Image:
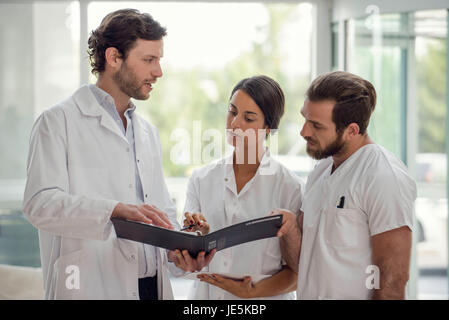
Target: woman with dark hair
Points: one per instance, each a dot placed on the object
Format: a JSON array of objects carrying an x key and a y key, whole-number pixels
[{"x": 246, "y": 185}]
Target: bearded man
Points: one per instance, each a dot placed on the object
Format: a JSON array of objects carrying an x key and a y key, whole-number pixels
[
  {"x": 352, "y": 238},
  {"x": 92, "y": 158}
]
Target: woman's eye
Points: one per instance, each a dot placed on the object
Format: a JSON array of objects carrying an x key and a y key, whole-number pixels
[
  {"x": 232, "y": 112},
  {"x": 249, "y": 120}
]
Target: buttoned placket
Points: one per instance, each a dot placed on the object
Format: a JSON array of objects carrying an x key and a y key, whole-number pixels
[
  {"x": 131, "y": 138},
  {"x": 129, "y": 134},
  {"x": 108, "y": 103},
  {"x": 129, "y": 150},
  {"x": 231, "y": 211}
]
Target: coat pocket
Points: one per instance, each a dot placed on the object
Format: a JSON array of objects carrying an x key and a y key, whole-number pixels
[
  {"x": 345, "y": 227},
  {"x": 67, "y": 273}
]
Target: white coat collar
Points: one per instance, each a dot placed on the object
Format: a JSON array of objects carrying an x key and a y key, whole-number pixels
[
  {"x": 89, "y": 106},
  {"x": 229, "y": 171},
  {"x": 87, "y": 103}
]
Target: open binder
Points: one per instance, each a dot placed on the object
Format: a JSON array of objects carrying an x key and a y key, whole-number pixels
[{"x": 251, "y": 230}]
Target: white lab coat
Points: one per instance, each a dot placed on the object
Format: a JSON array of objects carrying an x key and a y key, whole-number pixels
[
  {"x": 79, "y": 167},
  {"x": 212, "y": 191}
]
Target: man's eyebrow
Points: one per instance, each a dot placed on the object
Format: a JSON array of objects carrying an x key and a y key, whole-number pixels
[
  {"x": 312, "y": 121},
  {"x": 315, "y": 122},
  {"x": 150, "y": 56}
]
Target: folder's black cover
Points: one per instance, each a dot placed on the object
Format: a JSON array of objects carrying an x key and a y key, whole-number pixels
[{"x": 243, "y": 232}]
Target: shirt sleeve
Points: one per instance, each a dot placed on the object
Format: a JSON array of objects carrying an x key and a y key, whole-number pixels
[
  {"x": 291, "y": 193},
  {"x": 295, "y": 198},
  {"x": 192, "y": 203},
  {"x": 389, "y": 199},
  {"x": 47, "y": 203}
]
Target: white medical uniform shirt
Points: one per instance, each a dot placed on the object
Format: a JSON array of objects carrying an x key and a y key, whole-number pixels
[
  {"x": 212, "y": 191},
  {"x": 336, "y": 243}
]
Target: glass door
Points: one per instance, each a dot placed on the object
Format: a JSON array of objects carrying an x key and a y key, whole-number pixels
[{"x": 404, "y": 56}]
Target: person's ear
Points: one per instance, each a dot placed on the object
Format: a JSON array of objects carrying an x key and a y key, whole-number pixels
[
  {"x": 352, "y": 130},
  {"x": 113, "y": 58},
  {"x": 267, "y": 131}
]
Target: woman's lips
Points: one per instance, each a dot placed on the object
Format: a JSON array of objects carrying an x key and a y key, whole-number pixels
[{"x": 232, "y": 134}]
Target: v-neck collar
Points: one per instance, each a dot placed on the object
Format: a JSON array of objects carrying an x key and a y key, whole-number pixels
[
  {"x": 347, "y": 164},
  {"x": 229, "y": 178}
]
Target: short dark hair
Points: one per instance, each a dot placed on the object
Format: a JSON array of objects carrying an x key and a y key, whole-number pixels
[
  {"x": 268, "y": 96},
  {"x": 120, "y": 29},
  {"x": 355, "y": 98}
]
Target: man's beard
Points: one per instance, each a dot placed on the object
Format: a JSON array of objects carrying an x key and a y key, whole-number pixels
[
  {"x": 332, "y": 149},
  {"x": 128, "y": 83}
]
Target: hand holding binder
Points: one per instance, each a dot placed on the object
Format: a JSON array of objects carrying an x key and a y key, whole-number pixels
[
  {"x": 252, "y": 230},
  {"x": 196, "y": 222}
]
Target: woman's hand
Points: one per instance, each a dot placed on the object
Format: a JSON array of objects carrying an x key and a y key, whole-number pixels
[
  {"x": 240, "y": 288},
  {"x": 184, "y": 261},
  {"x": 198, "y": 219}
]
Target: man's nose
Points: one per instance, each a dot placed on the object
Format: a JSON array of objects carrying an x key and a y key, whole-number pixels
[
  {"x": 157, "y": 71},
  {"x": 304, "y": 130}
]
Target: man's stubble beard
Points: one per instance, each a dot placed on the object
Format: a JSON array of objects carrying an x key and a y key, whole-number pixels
[
  {"x": 128, "y": 83},
  {"x": 335, "y": 147}
]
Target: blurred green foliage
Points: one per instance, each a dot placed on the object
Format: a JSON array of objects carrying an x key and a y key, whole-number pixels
[
  {"x": 182, "y": 97},
  {"x": 431, "y": 84},
  {"x": 383, "y": 66}
]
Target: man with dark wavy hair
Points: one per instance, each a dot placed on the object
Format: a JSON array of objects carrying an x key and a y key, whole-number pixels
[
  {"x": 353, "y": 236},
  {"x": 93, "y": 158}
]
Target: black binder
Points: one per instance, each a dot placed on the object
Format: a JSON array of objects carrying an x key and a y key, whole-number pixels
[{"x": 251, "y": 230}]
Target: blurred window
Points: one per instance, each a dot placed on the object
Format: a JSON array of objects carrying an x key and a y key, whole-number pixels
[
  {"x": 209, "y": 48},
  {"x": 404, "y": 56},
  {"x": 39, "y": 67}
]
